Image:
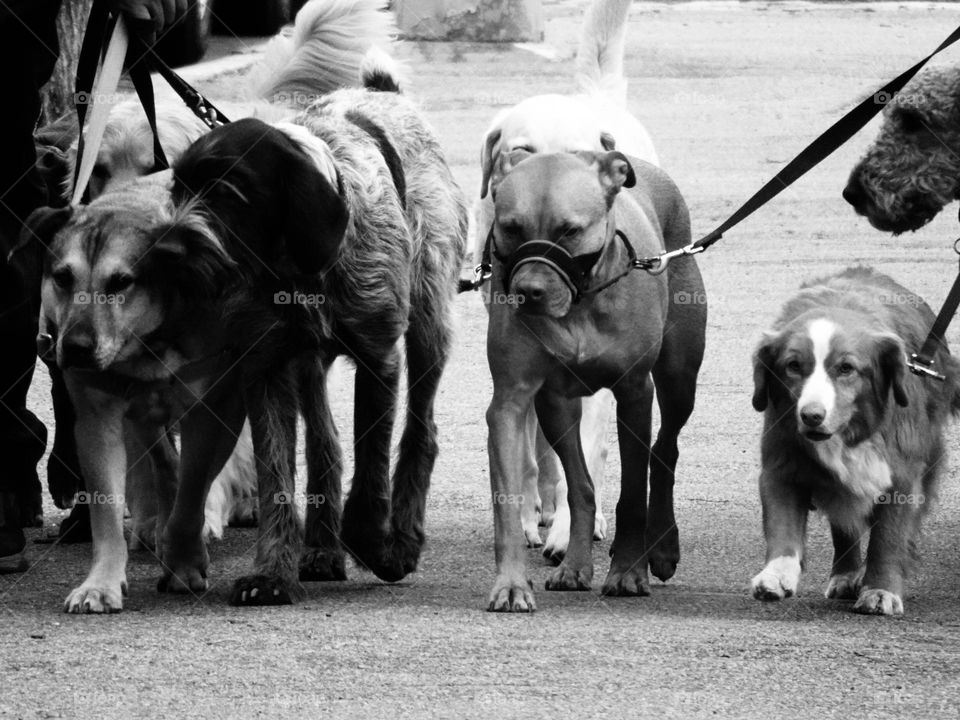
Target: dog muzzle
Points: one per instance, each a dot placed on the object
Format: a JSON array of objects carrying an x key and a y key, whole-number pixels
[{"x": 573, "y": 270}]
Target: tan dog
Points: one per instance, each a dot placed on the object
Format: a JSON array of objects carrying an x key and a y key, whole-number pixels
[
  {"x": 595, "y": 119},
  {"x": 563, "y": 231}
]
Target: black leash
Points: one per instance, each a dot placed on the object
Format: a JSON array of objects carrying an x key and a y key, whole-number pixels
[
  {"x": 921, "y": 363},
  {"x": 141, "y": 59}
]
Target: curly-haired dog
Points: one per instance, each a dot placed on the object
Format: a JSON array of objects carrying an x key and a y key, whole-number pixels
[
  {"x": 563, "y": 240},
  {"x": 597, "y": 120},
  {"x": 912, "y": 169},
  {"x": 286, "y": 246},
  {"x": 848, "y": 430}
]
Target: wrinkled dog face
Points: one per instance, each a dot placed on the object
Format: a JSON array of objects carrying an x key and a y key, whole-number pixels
[
  {"x": 835, "y": 379},
  {"x": 562, "y": 198},
  {"x": 912, "y": 169},
  {"x": 112, "y": 270}
]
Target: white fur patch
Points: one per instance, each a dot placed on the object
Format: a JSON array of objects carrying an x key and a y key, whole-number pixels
[
  {"x": 818, "y": 388},
  {"x": 863, "y": 470},
  {"x": 315, "y": 148},
  {"x": 779, "y": 579}
]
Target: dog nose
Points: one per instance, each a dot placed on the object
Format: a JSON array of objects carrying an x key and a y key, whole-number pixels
[
  {"x": 854, "y": 192},
  {"x": 77, "y": 352},
  {"x": 813, "y": 415},
  {"x": 531, "y": 291}
]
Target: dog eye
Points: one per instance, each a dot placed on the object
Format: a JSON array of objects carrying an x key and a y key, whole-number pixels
[
  {"x": 845, "y": 368},
  {"x": 567, "y": 230},
  {"x": 911, "y": 121},
  {"x": 99, "y": 171},
  {"x": 119, "y": 282},
  {"x": 794, "y": 367},
  {"x": 62, "y": 278}
]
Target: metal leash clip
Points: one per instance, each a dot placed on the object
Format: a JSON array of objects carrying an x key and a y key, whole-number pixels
[
  {"x": 918, "y": 367},
  {"x": 656, "y": 266}
]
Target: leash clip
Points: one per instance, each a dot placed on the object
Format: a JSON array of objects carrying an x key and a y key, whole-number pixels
[
  {"x": 481, "y": 273},
  {"x": 924, "y": 369},
  {"x": 657, "y": 265}
]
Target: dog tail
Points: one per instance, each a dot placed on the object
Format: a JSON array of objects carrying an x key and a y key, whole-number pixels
[
  {"x": 325, "y": 51},
  {"x": 601, "y": 50},
  {"x": 379, "y": 71}
]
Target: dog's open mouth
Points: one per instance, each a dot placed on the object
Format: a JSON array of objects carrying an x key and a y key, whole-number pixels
[{"x": 817, "y": 435}]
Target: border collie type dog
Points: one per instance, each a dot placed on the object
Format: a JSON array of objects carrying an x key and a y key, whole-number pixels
[{"x": 850, "y": 431}]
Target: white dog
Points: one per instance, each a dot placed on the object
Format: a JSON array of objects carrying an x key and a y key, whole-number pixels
[
  {"x": 330, "y": 48},
  {"x": 594, "y": 119}
]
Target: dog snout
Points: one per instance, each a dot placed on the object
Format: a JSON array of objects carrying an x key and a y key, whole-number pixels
[
  {"x": 77, "y": 351},
  {"x": 813, "y": 415},
  {"x": 531, "y": 290},
  {"x": 854, "y": 193}
]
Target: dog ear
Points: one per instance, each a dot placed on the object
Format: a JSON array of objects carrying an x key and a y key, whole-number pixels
[
  {"x": 25, "y": 260},
  {"x": 764, "y": 360},
  {"x": 487, "y": 158},
  {"x": 614, "y": 170},
  {"x": 890, "y": 370},
  {"x": 607, "y": 141},
  {"x": 188, "y": 257},
  {"x": 316, "y": 216}
]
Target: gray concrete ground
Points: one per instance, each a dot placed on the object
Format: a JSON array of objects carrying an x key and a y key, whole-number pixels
[{"x": 730, "y": 93}]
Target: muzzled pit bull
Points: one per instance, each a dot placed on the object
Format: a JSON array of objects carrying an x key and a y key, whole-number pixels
[{"x": 563, "y": 231}]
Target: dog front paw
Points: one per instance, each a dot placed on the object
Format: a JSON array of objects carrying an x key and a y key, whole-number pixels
[
  {"x": 663, "y": 554},
  {"x": 252, "y": 590},
  {"x": 845, "y": 586},
  {"x": 184, "y": 569},
  {"x": 631, "y": 582},
  {"x": 558, "y": 537},
  {"x": 779, "y": 579},
  {"x": 322, "y": 565},
  {"x": 600, "y": 527},
  {"x": 569, "y": 578},
  {"x": 875, "y": 601},
  {"x": 513, "y": 595},
  {"x": 96, "y": 596}
]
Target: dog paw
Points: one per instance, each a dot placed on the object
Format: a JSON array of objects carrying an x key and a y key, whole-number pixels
[
  {"x": 512, "y": 595},
  {"x": 96, "y": 597},
  {"x": 663, "y": 554},
  {"x": 183, "y": 579},
  {"x": 568, "y": 578},
  {"x": 558, "y": 538},
  {"x": 874, "y": 601},
  {"x": 252, "y": 590},
  {"x": 845, "y": 586},
  {"x": 631, "y": 582},
  {"x": 532, "y": 535},
  {"x": 321, "y": 565},
  {"x": 778, "y": 579},
  {"x": 401, "y": 555}
]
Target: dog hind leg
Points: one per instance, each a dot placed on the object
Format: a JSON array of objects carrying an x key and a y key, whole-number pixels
[
  {"x": 322, "y": 557},
  {"x": 846, "y": 574}
]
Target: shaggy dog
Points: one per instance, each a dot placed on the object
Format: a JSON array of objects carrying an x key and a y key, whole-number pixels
[
  {"x": 912, "y": 169},
  {"x": 337, "y": 234},
  {"x": 849, "y": 431},
  {"x": 594, "y": 120}
]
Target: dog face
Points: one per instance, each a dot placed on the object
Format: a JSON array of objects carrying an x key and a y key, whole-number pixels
[
  {"x": 911, "y": 170},
  {"x": 111, "y": 270},
  {"x": 835, "y": 378},
  {"x": 523, "y": 127},
  {"x": 268, "y": 196},
  {"x": 561, "y": 198}
]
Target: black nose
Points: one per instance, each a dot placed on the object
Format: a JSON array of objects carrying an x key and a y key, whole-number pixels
[
  {"x": 531, "y": 291},
  {"x": 813, "y": 415},
  {"x": 77, "y": 352},
  {"x": 854, "y": 192}
]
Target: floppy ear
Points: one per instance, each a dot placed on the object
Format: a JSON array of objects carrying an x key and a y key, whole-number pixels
[
  {"x": 188, "y": 257},
  {"x": 487, "y": 157},
  {"x": 764, "y": 359},
  {"x": 607, "y": 141},
  {"x": 26, "y": 258},
  {"x": 891, "y": 370},
  {"x": 614, "y": 170},
  {"x": 315, "y": 218}
]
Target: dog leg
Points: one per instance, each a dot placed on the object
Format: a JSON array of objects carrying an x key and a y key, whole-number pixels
[
  {"x": 322, "y": 557},
  {"x": 558, "y": 537},
  {"x": 512, "y": 591},
  {"x": 272, "y": 407},
  {"x": 103, "y": 459},
  {"x": 628, "y": 564},
  {"x": 208, "y": 434},
  {"x": 785, "y": 509},
  {"x": 366, "y": 514},
  {"x": 888, "y": 556},
  {"x": 532, "y": 475},
  {"x": 64, "y": 477},
  {"x": 560, "y": 420},
  {"x": 846, "y": 575},
  {"x": 141, "y": 493}
]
